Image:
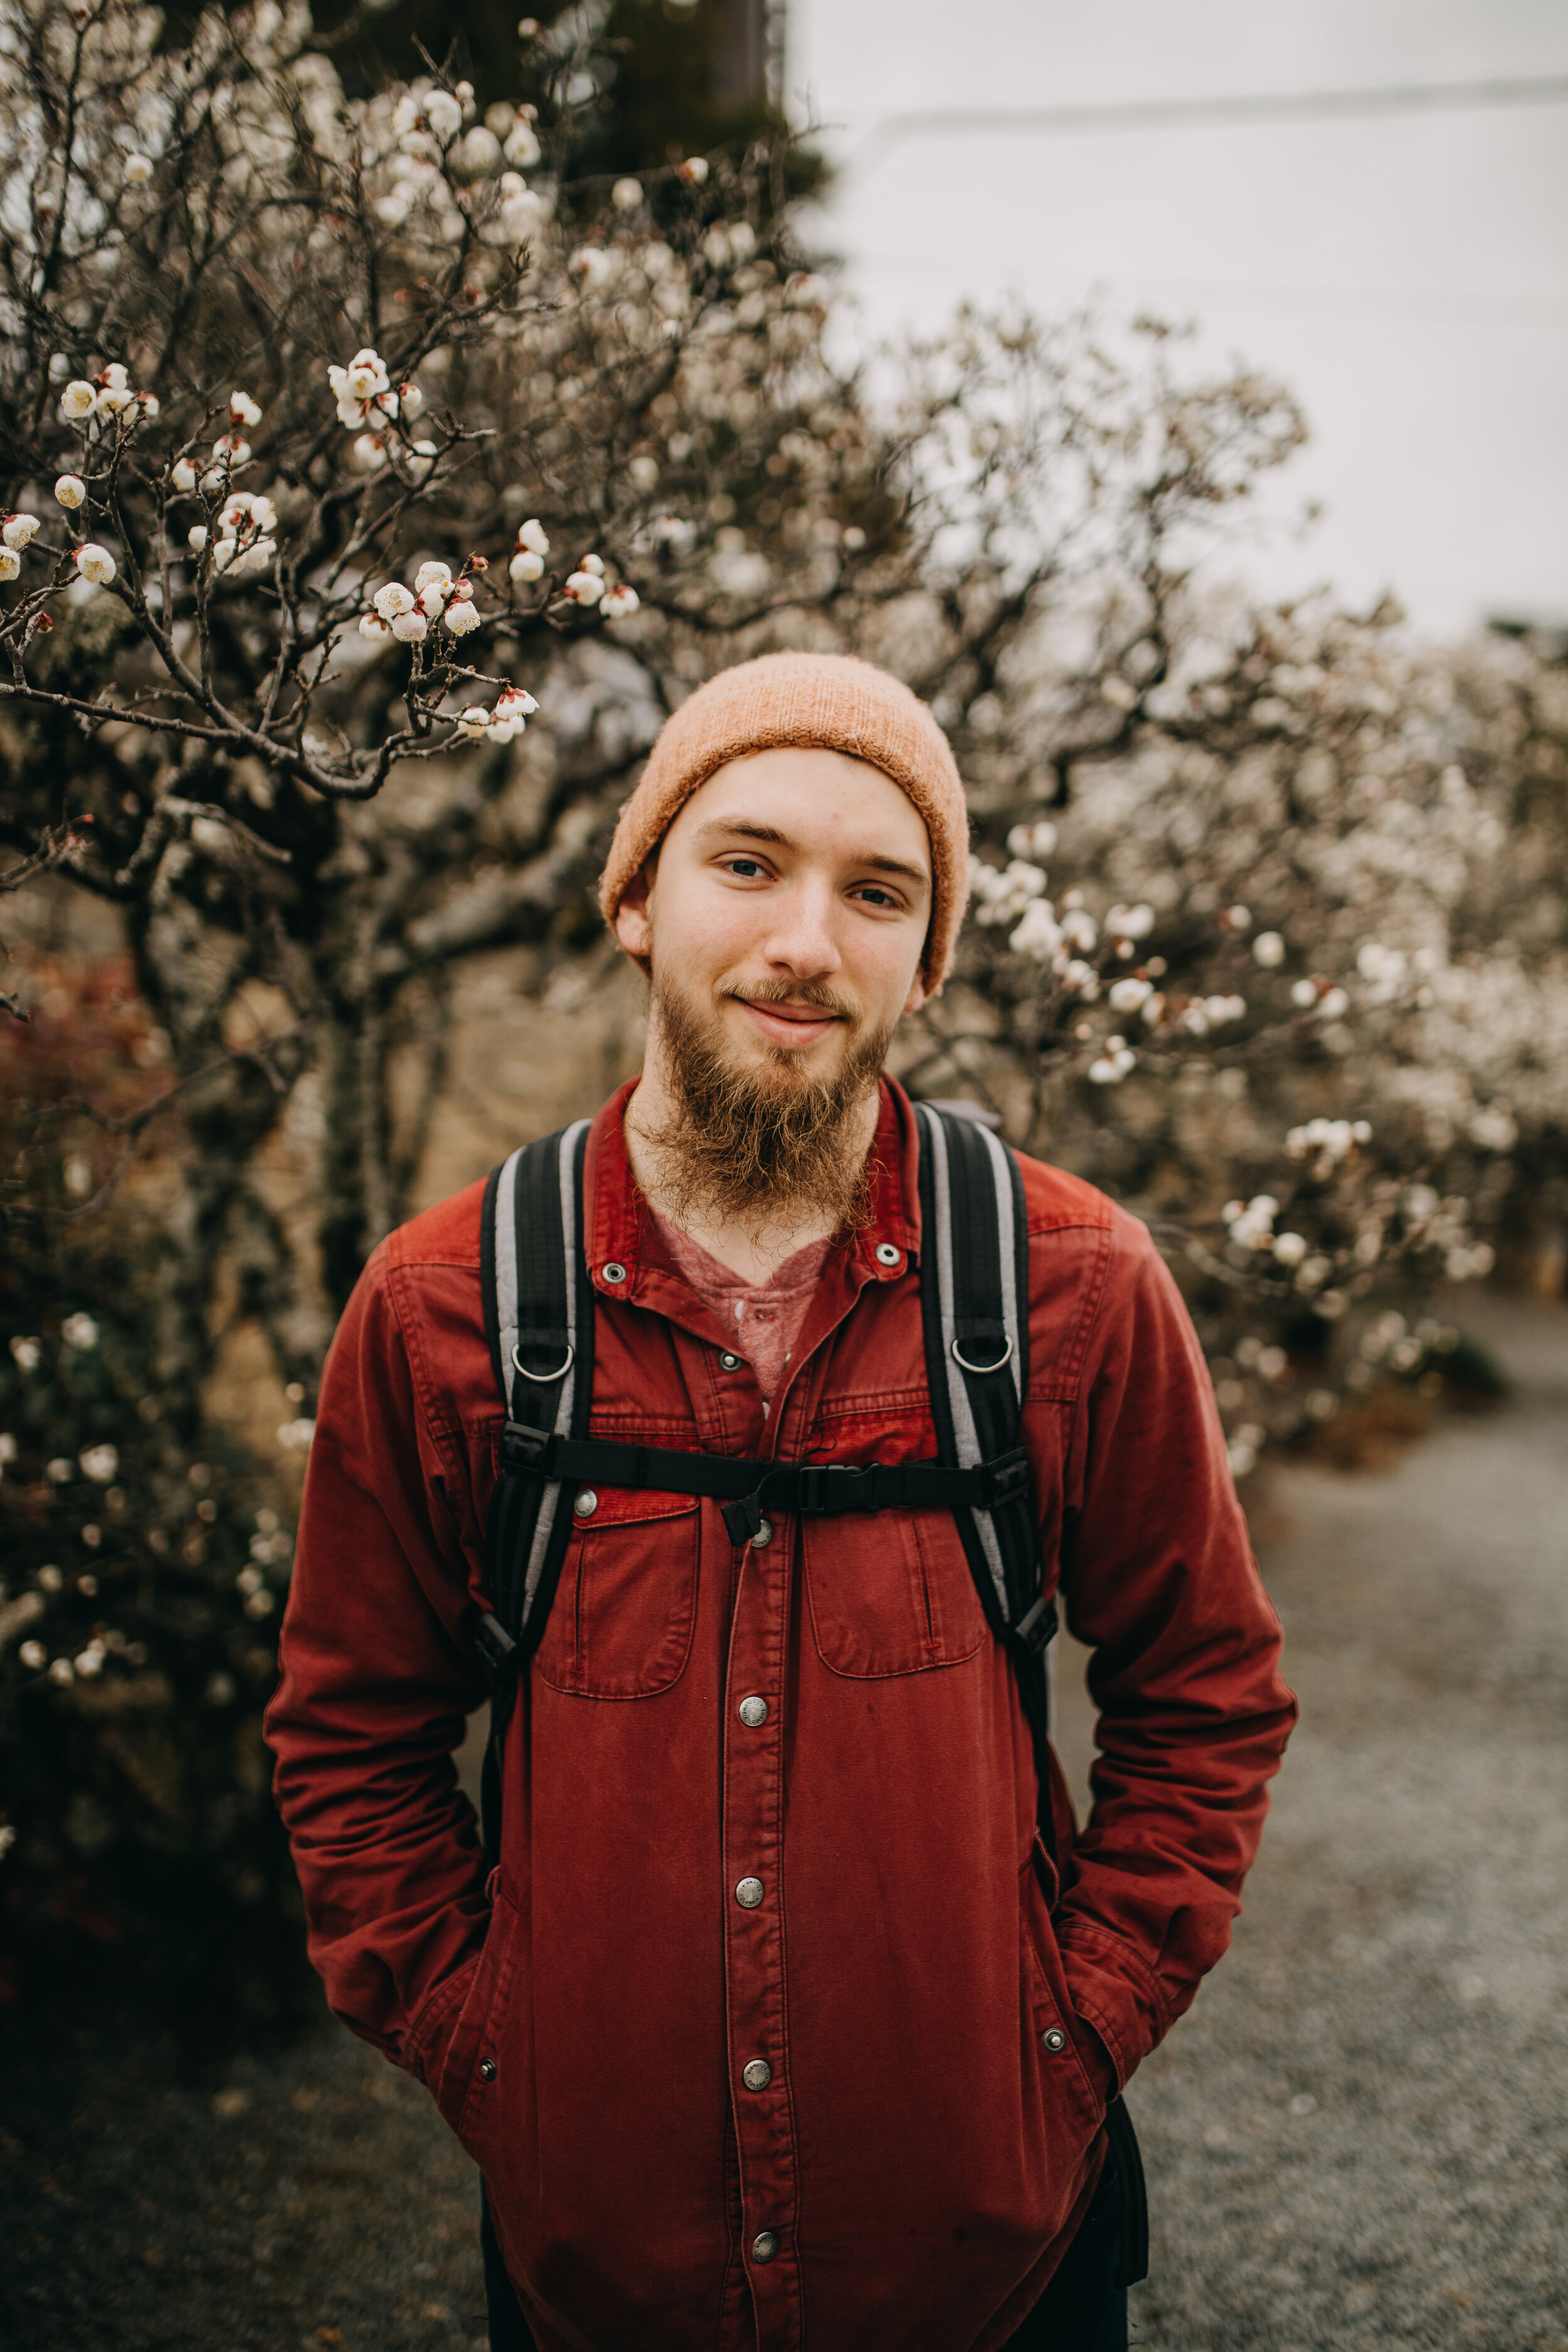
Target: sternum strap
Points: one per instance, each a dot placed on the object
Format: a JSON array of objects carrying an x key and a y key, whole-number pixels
[{"x": 748, "y": 1489}]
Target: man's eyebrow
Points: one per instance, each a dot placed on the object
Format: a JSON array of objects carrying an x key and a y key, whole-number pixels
[{"x": 747, "y": 829}]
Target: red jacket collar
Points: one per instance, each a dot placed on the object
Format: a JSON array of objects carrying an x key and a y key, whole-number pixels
[{"x": 619, "y": 1234}]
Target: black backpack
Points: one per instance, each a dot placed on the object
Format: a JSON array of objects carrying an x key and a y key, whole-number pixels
[{"x": 539, "y": 1319}]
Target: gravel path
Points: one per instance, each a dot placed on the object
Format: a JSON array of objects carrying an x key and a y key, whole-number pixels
[{"x": 1359, "y": 2138}]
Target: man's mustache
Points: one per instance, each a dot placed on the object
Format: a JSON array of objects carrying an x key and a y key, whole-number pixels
[{"x": 785, "y": 992}]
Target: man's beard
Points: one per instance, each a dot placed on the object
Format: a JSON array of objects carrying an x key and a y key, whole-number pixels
[{"x": 766, "y": 1144}]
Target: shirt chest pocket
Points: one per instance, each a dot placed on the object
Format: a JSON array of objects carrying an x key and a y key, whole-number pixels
[
  {"x": 621, "y": 1623},
  {"x": 892, "y": 1594}
]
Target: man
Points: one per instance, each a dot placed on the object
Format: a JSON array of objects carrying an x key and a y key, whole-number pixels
[{"x": 776, "y": 2025}]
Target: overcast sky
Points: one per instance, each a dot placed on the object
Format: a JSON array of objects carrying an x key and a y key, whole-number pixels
[{"x": 1407, "y": 275}]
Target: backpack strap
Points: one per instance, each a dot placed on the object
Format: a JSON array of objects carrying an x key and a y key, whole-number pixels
[
  {"x": 974, "y": 1305},
  {"x": 539, "y": 1320}
]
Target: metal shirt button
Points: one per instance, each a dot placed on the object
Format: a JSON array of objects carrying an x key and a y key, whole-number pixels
[
  {"x": 888, "y": 1256},
  {"x": 586, "y": 1504},
  {"x": 752, "y": 1712},
  {"x": 487, "y": 2070},
  {"x": 756, "y": 2074},
  {"x": 749, "y": 1894},
  {"x": 614, "y": 1272},
  {"x": 764, "y": 2246},
  {"x": 1054, "y": 2040},
  {"x": 764, "y": 1535},
  {"x": 729, "y": 1362}
]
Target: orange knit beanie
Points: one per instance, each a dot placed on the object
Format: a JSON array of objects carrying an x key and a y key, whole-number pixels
[{"x": 827, "y": 702}]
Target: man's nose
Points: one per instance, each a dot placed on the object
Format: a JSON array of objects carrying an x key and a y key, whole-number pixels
[{"x": 803, "y": 937}]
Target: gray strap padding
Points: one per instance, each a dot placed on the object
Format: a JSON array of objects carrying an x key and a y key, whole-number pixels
[
  {"x": 934, "y": 1139},
  {"x": 507, "y": 1312}
]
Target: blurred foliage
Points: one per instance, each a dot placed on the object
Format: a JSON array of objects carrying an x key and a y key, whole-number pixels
[{"x": 142, "y": 1581}]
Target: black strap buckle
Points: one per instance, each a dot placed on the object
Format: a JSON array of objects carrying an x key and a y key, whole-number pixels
[
  {"x": 525, "y": 1451},
  {"x": 1009, "y": 1479},
  {"x": 827, "y": 1488},
  {"x": 494, "y": 1644},
  {"x": 1035, "y": 1627}
]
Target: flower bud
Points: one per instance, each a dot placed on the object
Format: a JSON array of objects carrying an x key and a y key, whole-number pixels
[
  {"x": 71, "y": 490},
  {"x": 95, "y": 563}
]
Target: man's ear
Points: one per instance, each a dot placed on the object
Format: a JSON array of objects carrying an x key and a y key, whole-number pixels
[
  {"x": 633, "y": 929},
  {"x": 915, "y": 999}
]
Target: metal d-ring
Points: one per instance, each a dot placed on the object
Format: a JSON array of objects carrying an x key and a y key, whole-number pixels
[
  {"x": 547, "y": 1380},
  {"x": 960, "y": 1357}
]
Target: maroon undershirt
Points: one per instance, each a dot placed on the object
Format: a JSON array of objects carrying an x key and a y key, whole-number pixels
[{"x": 765, "y": 1319}]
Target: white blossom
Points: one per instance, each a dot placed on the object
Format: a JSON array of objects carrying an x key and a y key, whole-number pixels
[
  {"x": 474, "y": 722},
  {"x": 27, "y": 1354},
  {"x": 18, "y": 530},
  {"x": 1128, "y": 995},
  {"x": 10, "y": 563},
  {"x": 1129, "y": 922},
  {"x": 525, "y": 566},
  {"x": 182, "y": 475},
  {"x": 627, "y": 196},
  {"x": 95, "y": 563},
  {"x": 1304, "y": 992},
  {"x": 231, "y": 449},
  {"x": 619, "y": 602},
  {"x": 33, "y": 1654},
  {"x": 1289, "y": 1248},
  {"x": 532, "y": 536},
  {"x": 1252, "y": 1225},
  {"x": 460, "y": 617},
  {"x": 513, "y": 703},
  {"x": 79, "y": 402},
  {"x": 1238, "y": 919},
  {"x": 1036, "y": 840},
  {"x": 522, "y": 145},
  {"x": 421, "y": 460},
  {"x": 410, "y": 628},
  {"x": 592, "y": 266},
  {"x": 444, "y": 115},
  {"x": 226, "y": 554},
  {"x": 393, "y": 600},
  {"x": 99, "y": 1463},
  {"x": 71, "y": 490},
  {"x": 584, "y": 587},
  {"x": 149, "y": 404},
  {"x": 371, "y": 625},
  {"x": 368, "y": 454},
  {"x": 242, "y": 410},
  {"x": 1036, "y": 933},
  {"x": 694, "y": 171},
  {"x": 1114, "y": 1062},
  {"x": 1269, "y": 949},
  {"x": 196, "y": 536}
]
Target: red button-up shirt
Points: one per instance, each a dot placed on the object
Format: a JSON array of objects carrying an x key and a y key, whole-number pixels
[{"x": 773, "y": 2026}]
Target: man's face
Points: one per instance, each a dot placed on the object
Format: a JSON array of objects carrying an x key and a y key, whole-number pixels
[{"x": 787, "y": 912}]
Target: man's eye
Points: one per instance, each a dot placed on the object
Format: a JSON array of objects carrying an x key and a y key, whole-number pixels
[
  {"x": 745, "y": 867},
  {"x": 873, "y": 894}
]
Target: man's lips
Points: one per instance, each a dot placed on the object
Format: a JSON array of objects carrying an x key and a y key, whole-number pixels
[{"x": 789, "y": 1024}]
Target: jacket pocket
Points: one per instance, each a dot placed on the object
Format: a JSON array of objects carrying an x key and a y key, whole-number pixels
[
  {"x": 456, "y": 2077},
  {"x": 891, "y": 1595},
  {"x": 624, "y": 1610},
  {"x": 1063, "y": 2044}
]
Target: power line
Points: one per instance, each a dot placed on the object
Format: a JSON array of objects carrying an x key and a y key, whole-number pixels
[{"x": 1182, "y": 113}]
